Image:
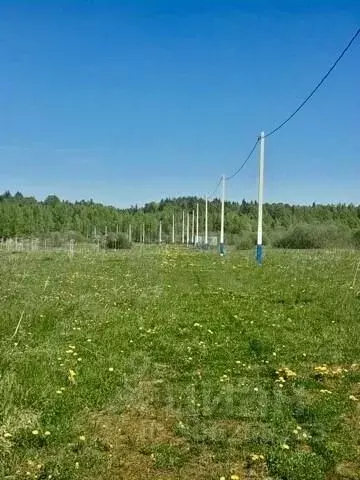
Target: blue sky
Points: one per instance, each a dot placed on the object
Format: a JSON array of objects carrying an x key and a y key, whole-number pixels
[{"x": 130, "y": 101}]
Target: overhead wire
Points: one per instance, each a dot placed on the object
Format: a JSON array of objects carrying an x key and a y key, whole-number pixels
[
  {"x": 282, "y": 124},
  {"x": 245, "y": 162}
]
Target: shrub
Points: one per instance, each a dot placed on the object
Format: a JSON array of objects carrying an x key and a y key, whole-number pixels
[
  {"x": 118, "y": 241},
  {"x": 246, "y": 242},
  {"x": 356, "y": 238},
  {"x": 314, "y": 236}
]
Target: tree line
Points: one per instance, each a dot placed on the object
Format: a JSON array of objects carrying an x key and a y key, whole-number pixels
[{"x": 22, "y": 216}]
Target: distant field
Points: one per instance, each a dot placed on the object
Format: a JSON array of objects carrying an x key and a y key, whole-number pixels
[{"x": 174, "y": 364}]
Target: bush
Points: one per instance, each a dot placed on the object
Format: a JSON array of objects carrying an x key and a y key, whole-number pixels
[
  {"x": 246, "y": 242},
  {"x": 356, "y": 238},
  {"x": 307, "y": 236},
  {"x": 118, "y": 241}
]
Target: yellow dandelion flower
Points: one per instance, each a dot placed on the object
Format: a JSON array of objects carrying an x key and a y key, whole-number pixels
[
  {"x": 82, "y": 438},
  {"x": 35, "y": 432},
  {"x": 111, "y": 369},
  {"x": 47, "y": 433}
]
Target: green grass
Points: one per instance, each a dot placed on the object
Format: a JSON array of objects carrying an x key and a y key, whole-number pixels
[{"x": 167, "y": 364}]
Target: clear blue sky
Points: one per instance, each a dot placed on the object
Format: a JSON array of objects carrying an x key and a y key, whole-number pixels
[{"x": 130, "y": 101}]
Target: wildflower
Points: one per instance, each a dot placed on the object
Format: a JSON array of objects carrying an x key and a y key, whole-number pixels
[
  {"x": 235, "y": 477},
  {"x": 7, "y": 435},
  {"x": 77, "y": 465},
  {"x": 59, "y": 392},
  {"x": 35, "y": 432},
  {"x": 285, "y": 446},
  {"x": 82, "y": 438},
  {"x": 256, "y": 389},
  {"x": 47, "y": 433},
  {"x": 79, "y": 359},
  {"x": 111, "y": 369},
  {"x": 72, "y": 376}
]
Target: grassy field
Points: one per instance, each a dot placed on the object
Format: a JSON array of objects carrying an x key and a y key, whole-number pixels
[{"x": 166, "y": 364}]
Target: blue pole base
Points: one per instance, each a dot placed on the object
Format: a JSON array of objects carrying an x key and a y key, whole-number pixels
[
  {"x": 222, "y": 249},
  {"x": 259, "y": 254}
]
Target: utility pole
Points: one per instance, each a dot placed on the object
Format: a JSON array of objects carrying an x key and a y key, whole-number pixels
[
  {"x": 222, "y": 245},
  {"x": 183, "y": 228},
  {"x": 160, "y": 232},
  {"x": 197, "y": 224},
  {"x": 206, "y": 223},
  {"x": 173, "y": 228},
  {"x": 193, "y": 227},
  {"x": 259, "y": 248},
  {"x": 129, "y": 232},
  {"x": 143, "y": 233},
  {"x": 188, "y": 228}
]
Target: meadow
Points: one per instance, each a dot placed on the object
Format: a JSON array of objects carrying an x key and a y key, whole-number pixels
[{"x": 168, "y": 363}]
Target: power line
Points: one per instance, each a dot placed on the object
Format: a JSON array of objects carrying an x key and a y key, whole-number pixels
[
  {"x": 317, "y": 86},
  {"x": 216, "y": 188},
  {"x": 244, "y": 163}
]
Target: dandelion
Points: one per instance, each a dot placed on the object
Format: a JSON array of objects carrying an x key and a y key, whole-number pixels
[
  {"x": 111, "y": 369},
  {"x": 35, "y": 432},
  {"x": 59, "y": 392},
  {"x": 77, "y": 465},
  {"x": 285, "y": 446},
  {"x": 256, "y": 389},
  {"x": 79, "y": 359},
  {"x": 235, "y": 477},
  {"x": 298, "y": 427},
  {"x": 82, "y": 438},
  {"x": 47, "y": 433}
]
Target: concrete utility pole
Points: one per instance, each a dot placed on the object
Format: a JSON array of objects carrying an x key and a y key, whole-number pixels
[
  {"x": 188, "y": 228},
  {"x": 206, "y": 223},
  {"x": 222, "y": 245},
  {"x": 183, "y": 227},
  {"x": 259, "y": 248},
  {"x": 193, "y": 227},
  {"x": 160, "y": 232},
  {"x": 173, "y": 228},
  {"x": 197, "y": 225}
]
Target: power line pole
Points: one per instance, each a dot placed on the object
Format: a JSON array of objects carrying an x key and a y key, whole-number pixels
[
  {"x": 160, "y": 232},
  {"x": 173, "y": 228},
  {"x": 197, "y": 224},
  {"x": 222, "y": 222},
  {"x": 188, "y": 228},
  {"x": 193, "y": 227},
  {"x": 143, "y": 232},
  {"x": 183, "y": 228},
  {"x": 259, "y": 253},
  {"x": 206, "y": 222}
]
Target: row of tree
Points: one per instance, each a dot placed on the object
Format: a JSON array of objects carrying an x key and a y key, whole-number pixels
[{"x": 25, "y": 216}]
